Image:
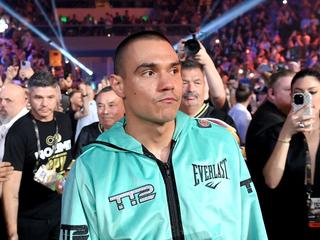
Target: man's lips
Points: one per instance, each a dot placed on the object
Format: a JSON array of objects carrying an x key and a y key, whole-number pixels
[
  {"x": 190, "y": 98},
  {"x": 168, "y": 100},
  {"x": 44, "y": 110}
]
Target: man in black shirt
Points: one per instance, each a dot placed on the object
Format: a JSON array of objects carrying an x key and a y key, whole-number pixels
[
  {"x": 262, "y": 136},
  {"x": 39, "y": 141}
]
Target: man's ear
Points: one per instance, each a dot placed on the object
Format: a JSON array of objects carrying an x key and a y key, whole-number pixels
[
  {"x": 270, "y": 93},
  {"x": 116, "y": 83}
]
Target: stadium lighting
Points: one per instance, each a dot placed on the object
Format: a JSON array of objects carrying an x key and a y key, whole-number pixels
[
  {"x": 44, "y": 14},
  {"x": 44, "y": 37},
  {"x": 3, "y": 25},
  {"x": 224, "y": 19}
]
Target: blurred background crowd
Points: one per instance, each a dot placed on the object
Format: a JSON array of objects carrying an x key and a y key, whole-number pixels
[
  {"x": 241, "y": 64},
  {"x": 274, "y": 35}
]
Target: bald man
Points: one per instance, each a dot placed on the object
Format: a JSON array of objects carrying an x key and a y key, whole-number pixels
[{"x": 13, "y": 101}]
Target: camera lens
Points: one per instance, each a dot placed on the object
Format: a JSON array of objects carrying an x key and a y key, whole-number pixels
[
  {"x": 298, "y": 99},
  {"x": 191, "y": 47}
]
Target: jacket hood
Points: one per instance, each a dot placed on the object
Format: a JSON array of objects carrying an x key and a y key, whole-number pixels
[{"x": 116, "y": 139}]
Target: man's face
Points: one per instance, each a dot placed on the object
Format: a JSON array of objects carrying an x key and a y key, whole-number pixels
[
  {"x": 43, "y": 101},
  {"x": 193, "y": 89},
  {"x": 281, "y": 94},
  {"x": 152, "y": 85},
  {"x": 12, "y": 100},
  {"x": 110, "y": 109}
]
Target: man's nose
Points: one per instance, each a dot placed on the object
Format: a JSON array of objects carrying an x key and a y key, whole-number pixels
[
  {"x": 106, "y": 110},
  {"x": 166, "y": 81},
  {"x": 190, "y": 87},
  {"x": 44, "y": 102},
  {"x": 2, "y": 102}
]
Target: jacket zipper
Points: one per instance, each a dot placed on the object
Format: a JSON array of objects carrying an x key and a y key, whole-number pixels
[{"x": 167, "y": 173}]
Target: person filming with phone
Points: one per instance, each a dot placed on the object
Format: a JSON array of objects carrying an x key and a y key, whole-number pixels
[{"x": 288, "y": 182}]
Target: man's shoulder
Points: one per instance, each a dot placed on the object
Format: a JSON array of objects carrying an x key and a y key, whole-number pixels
[
  {"x": 97, "y": 154},
  {"x": 22, "y": 122},
  {"x": 61, "y": 116},
  {"x": 267, "y": 108},
  {"x": 92, "y": 126},
  {"x": 267, "y": 121},
  {"x": 212, "y": 112},
  {"x": 21, "y": 128},
  {"x": 267, "y": 114},
  {"x": 91, "y": 130},
  {"x": 63, "y": 119},
  {"x": 212, "y": 128}
]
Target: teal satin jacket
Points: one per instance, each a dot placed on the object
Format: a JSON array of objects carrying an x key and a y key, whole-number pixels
[{"x": 117, "y": 189}]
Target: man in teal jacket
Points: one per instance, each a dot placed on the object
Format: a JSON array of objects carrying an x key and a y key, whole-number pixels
[{"x": 159, "y": 174}]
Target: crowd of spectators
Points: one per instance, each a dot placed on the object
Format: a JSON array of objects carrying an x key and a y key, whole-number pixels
[
  {"x": 245, "y": 52},
  {"x": 266, "y": 38},
  {"x": 273, "y": 34},
  {"x": 170, "y": 17}
]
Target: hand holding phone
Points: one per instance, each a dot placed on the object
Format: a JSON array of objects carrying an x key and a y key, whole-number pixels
[
  {"x": 25, "y": 70},
  {"x": 302, "y": 100}
]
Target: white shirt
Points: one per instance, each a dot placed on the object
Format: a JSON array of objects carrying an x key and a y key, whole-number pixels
[
  {"x": 4, "y": 128},
  {"x": 87, "y": 120},
  {"x": 241, "y": 117}
]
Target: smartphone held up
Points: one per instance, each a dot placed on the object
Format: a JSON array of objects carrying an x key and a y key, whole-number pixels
[
  {"x": 302, "y": 100},
  {"x": 25, "y": 65}
]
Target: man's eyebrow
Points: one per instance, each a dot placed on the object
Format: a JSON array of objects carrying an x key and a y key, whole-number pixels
[
  {"x": 192, "y": 80},
  {"x": 145, "y": 65},
  {"x": 152, "y": 65},
  {"x": 178, "y": 63}
]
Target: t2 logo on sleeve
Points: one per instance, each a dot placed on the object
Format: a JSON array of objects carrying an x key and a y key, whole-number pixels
[{"x": 136, "y": 196}]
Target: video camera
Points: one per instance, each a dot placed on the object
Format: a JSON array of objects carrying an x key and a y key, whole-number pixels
[{"x": 191, "y": 46}]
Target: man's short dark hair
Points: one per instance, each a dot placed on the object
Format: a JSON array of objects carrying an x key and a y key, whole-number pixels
[
  {"x": 42, "y": 79},
  {"x": 304, "y": 73},
  {"x": 243, "y": 92},
  {"x": 191, "y": 64},
  {"x": 119, "y": 54},
  {"x": 103, "y": 90},
  {"x": 73, "y": 92},
  {"x": 277, "y": 75}
]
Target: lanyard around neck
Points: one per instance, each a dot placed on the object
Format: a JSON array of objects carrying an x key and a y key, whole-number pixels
[{"x": 54, "y": 145}]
